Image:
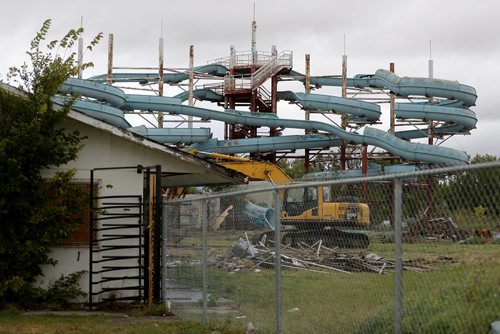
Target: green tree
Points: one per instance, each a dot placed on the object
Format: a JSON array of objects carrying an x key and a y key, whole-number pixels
[
  {"x": 35, "y": 212},
  {"x": 475, "y": 190}
]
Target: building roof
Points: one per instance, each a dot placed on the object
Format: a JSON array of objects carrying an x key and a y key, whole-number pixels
[
  {"x": 197, "y": 172},
  {"x": 200, "y": 172}
]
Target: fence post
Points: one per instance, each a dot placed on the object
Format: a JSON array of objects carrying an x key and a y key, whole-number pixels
[
  {"x": 277, "y": 239},
  {"x": 398, "y": 255},
  {"x": 204, "y": 222},
  {"x": 91, "y": 238},
  {"x": 164, "y": 249}
]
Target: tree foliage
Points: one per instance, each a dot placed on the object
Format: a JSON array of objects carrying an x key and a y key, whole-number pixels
[
  {"x": 475, "y": 190},
  {"x": 32, "y": 209}
]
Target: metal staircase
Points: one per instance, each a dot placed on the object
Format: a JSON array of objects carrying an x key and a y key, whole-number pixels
[{"x": 277, "y": 63}]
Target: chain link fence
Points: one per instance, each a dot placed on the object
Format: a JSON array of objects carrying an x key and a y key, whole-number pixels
[{"x": 416, "y": 252}]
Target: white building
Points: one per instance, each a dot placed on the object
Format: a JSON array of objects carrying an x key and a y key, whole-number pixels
[{"x": 107, "y": 146}]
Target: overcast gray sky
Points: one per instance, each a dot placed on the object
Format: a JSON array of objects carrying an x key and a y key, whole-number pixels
[{"x": 464, "y": 34}]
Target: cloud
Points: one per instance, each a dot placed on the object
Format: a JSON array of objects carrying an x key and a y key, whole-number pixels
[{"x": 377, "y": 33}]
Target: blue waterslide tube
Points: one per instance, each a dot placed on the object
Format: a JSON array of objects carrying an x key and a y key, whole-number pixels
[
  {"x": 100, "y": 111},
  {"x": 402, "y": 86},
  {"x": 267, "y": 144},
  {"x": 425, "y": 87},
  {"x": 371, "y": 136},
  {"x": 465, "y": 117},
  {"x": 170, "y": 78},
  {"x": 174, "y": 135},
  {"x": 369, "y": 111},
  {"x": 453, "y": 111}
]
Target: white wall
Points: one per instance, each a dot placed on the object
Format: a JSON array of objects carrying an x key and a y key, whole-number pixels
[{"x": 103, "y": 149}]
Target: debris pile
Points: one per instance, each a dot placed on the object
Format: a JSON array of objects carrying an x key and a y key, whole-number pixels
[
  {"x": 314, "y": 258},
  {"x": 442, "y": 228}
]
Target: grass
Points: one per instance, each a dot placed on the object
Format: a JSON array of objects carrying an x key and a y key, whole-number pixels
[
  {"x": 15, "y": 322},
  {"x": 461, "y": 294}
]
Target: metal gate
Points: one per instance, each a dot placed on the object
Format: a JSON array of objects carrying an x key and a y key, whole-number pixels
[{"x": 124, "y": 242}]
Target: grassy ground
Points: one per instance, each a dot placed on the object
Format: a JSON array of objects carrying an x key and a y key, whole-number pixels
[
  {"x": 460, "y": 295},
  {"x": 15, "y": 322}
]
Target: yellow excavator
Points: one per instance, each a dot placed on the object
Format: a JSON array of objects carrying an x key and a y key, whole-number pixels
[{"x": 308, "y": 213}]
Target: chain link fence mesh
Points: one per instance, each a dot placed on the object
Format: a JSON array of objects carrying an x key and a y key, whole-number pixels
[{"x": 338, "y": 267}]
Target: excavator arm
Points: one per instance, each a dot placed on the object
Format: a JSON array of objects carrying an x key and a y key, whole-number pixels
[{"x": 255, "y": 170}]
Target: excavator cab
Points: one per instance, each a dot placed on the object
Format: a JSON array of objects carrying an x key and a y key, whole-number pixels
[{"x": 299, "y": 200}]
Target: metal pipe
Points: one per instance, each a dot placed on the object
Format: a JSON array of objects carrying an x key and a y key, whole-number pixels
[
  {"x": 91, "y": 237},
  {"x": 164, "y": 249},
  {"x": 430, "y": 140},
  {"x": 392, "y": 120},
  {"x": 232, "y": 57},
  {"x": 109, "y": 79},
  {"x": 307, "y": 89},
  {"x": 254, "y": 38},
  {"x": 343, "y": 145},
  {"x": 205, "y": 260},
  {"x": 157, "y": 236},
  {"x": 398, "y": 255},
  {"x": 161, "y": 77},
  {"x": 191, "y": 83},
  {"x": 80, "y": 57},
  {"x": 277, "y": 242}
]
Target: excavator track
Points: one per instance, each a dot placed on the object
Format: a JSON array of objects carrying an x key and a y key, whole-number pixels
[{"x": 330, "y": 238}]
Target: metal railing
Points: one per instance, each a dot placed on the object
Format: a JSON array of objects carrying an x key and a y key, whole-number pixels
[
  {"x": 283, "y": 60},
  {"x": 244, "y": 58}
]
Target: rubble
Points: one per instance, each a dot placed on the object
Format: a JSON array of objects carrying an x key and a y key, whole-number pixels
[
  {"x": 314, "y": 258},
  {"x": 442, "y": 228}
]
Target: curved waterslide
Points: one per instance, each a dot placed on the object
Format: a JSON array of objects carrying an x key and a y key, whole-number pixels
[
  {"x": 371, "y": 136},
  {"x": 451, "y": 104},
  {"x": 169, "y": 78}
]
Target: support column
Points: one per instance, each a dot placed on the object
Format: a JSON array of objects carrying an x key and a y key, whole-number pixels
[
  {"x": 161, "y": 78},
  {"x": 364, "y": 171},
  {"x": 307, "y": 88},
  {"x": 109, "y": 79},
  {"x": 392, "y": 120},
  {"x": 157, "y": 229},
  {"x": 398, "y": 256},
  {"x": 343, "y": 143},
  {"x": 191, "y": 83},
  {"x": 277, "y": 260}
]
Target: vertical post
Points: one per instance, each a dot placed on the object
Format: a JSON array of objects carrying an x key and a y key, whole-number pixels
[
  {"x": 157, "y": 236},
  {"x": 80, "y": 57},
  {"x": 431, "y": 76},
  {"x": 398, "y": 255},
  {"x": 391, "y": 104},
  {"x": 274, "y": 84},
  {"x": 147, "y": 213},
  {"x": 80, "y": 52},
  {"x": 164, "y": 249},
  {"x": 161, "y": 77},
  {"x": 274, "y": 97},
  {"x": 109, "y": 80},
  {"x": 232, "y": 57},
  {"x": 343, "y": 144},
  {"x": 430, "y": 140},
  {"x": 277, "y": 265},
  {"x": 91, "y": 238},
  {"x": 205, "y": 260},
  {"x": 364, "y": 171},
  {"x": 254, "y": 38},
  {"x": 307, "y": 89},
  {"x": 191, "y": 83}
]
